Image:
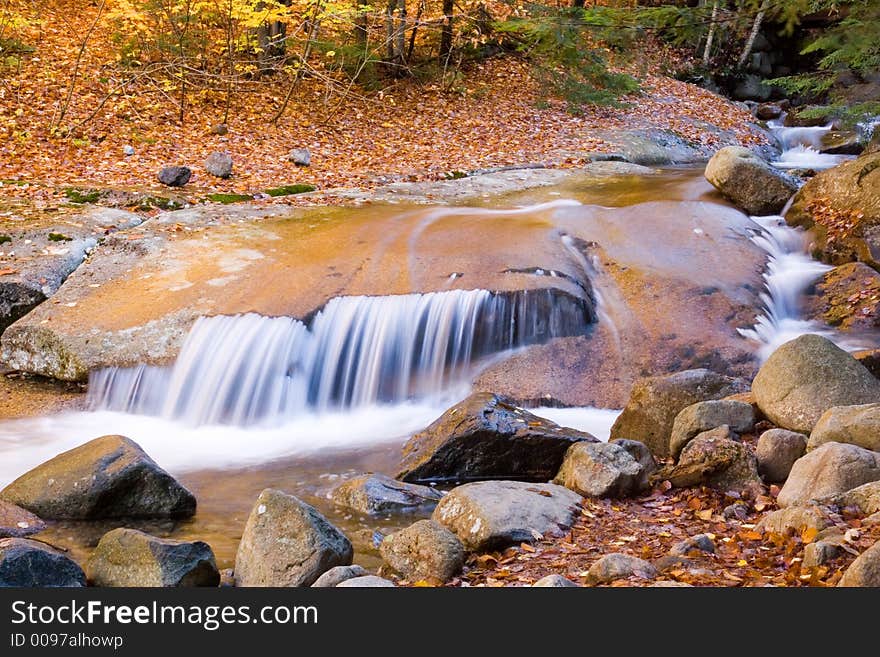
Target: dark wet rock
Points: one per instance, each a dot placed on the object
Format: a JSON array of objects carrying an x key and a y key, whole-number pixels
[
  {"x": 127, "y": 557},
  {"x": 838, "y": 142},
  {"x": 849, "y": 192},
  {"x": 616, "y": 566},
  {"x": 108, "y": 477},
  {"x": 425, "y": 550},
  {"x": 768, "y": 111},
  {"x": 487, "y": 437},
  {"x": 287, "y": 542},
  {"x": 700, "y": 543},
  {"x": 847, "y": 298},
  {"x": 870, "y": 358},
  {"x": 554, "y": 582},
  {"x": 865, "y": 570},
  {"x": 219, "y": 165},
  {"x": 28, "y": 563},
  {"x": 600, "y": 470},
  {"x": 776, "y": 451},
  {"x": 751, "y": 87},
  {"x": 794, "y": 519},
  {"x": 866, "y": 498},
  {"x": 654, "y": 403},
  {"x": 175, "y": 176},
  {"x": 855, "y": 425},
  {"x": 16, "y": 522},
  {"x": 377, "y": 494},
  {"x": 828, "y": 471},
  {"x": 805, "y": 377},
  {"x": 301, "y": 157},
  {"x": 795, "y": 118},
  {"x": 715, "y": 459},
  {"x": 339, "y": 574},
  {"x": 750, "y": 183},
  {"x": 493, "y": 514},
  {"x": 366, "y": 582},
  {"x": 707, "y": 415}
]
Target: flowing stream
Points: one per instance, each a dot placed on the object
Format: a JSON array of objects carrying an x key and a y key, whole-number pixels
[{"x": 801, "y": 146}]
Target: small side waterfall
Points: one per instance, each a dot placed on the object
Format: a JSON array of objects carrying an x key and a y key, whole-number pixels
[
  {"x": 356, "y": 351},
  {"x": 801, "y": 146}
]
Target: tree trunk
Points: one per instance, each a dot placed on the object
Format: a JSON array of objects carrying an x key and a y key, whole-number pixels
[
  {"x": 446, "y": 34},
  {"x": 747, "y": 50},
  {"x": 361, "y": 26},
  {"x": 400, "y": 36},
  {"x": 578, "y": 3},
  {"x": 713, "y": 25}
]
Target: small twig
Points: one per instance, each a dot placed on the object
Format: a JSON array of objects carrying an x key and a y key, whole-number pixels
[{"x": 79, "y": 56}]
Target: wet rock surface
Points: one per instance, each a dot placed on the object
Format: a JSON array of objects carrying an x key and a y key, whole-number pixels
[
  {"x": 749, "y": 182},
  {"x": 27, "y": 563},
  {"x": 375, "y": 494}
]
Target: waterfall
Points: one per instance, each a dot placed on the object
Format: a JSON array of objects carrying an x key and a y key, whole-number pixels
[
  {"x": 356, "y": 351},
  {"x": 801, "y": 146}
]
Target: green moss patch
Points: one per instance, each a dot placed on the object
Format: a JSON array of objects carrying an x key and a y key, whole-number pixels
[
  {"x": 226, "y": 199},
  {"x": 75, "y": 195},
  {"x": 59, "y": 237},
  {"x": 288, "y": 190}
]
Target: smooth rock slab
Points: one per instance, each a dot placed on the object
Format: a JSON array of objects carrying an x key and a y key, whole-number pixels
[
  {"x": 108, "y": 477},
  {"x": 28, "y": 563},
  {"x": 376, "y": 494},
  {"x": 494, "y": 514},
  {"x": 828, "y": 471},
  {"x": 805, "y": 377},
  {"x": 425, "y": 550},
  {"x": 16, "y": 522},
  {"x": 128, "y": 557},
  {"x": 856, "y": 425},
  {"x": 487, "y": 437},
  {"x": 287, "y": 542},
  {"x": 600, "y": 470},
  {"x": 708, "y": 415}
]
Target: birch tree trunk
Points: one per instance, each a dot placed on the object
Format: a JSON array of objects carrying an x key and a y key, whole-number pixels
[
  {"x": 713, "y": 25},
  {"x": 759, "y": 18}
]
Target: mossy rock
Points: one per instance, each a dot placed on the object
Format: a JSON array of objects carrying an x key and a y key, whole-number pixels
[
  {"x": 226, "y": 199},
  {"x": 83, "y": 196},
  {"x": 289, "y": 190},
  {"x": 59, "y": 237}
]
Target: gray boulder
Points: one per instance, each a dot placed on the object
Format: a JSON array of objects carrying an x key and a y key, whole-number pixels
[
  {"x": 174, "y": 176},
  {"x": 805, "y": 377},
  {"x": 865, "y": 497},
  {"x": 286, "y": 542},
  {"x": 640, "y": 452},
  {"x": 715, "y": 459},
  {"x": 750, "y": 183},
  {"x": 820, "y": 552},
  {"x": 27, "y": 563},
  {"x": 377, "y": 494},
  {"x": 700, "y": 543},
  {"x": 828, "y": 471},
  {"x": 776, "y": 451},
  {"x": 301, "y": 157},
  {"x": 16, "y": 522},
  {"x": 656, "y": 401},
  {"x": 108, "y": 477},
  {"x": 865, "y": 570},
  {"x": 425, "y": 550},
  {"x": 706, "y": 415},
  {"x": 339, "y": 574},
  {"x": 794, "y": 519},
  {"x": 219, "y": 165},
  {"x": 616, "y": 566},
  {"x": 487, "y": 437},
  {"x": 856, "y": 425},
  {"x": 600, "y": 470},
  {"x": 127, "y": 557},
  {"x": 493, "y": 514},
  {"x": 366, "y": 582},
  {"x": 554, "y": 582}
]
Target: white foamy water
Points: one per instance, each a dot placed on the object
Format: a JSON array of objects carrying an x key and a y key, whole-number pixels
[
  {"x": 801, "y": 147},
  {"x": 596, "y": 421}
]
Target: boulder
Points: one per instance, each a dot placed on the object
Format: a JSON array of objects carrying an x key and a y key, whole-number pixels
[
  {"x": 768, "y": 111},
  {"x": 27, "y": 563},
  {"x": 641, "y": 453},
  {"x": 108, "y": 477},
  {"x": 820, "y": 552},
  {"x": 219, "y": 165},
  {"x": 865, "y": 570},
  {"x": 865, "y": 497},
  {"x": 715, "y": 459},
  {"x": 870, "y": 358},
  {"x": 425, "y": 550},
  {"x": 841, "y": 142},
  {"x": 805, "y": 377},
  {"x": 375, "y": 494},
  {"x": 706, "y": 415},
  {"x": 366, "y": 582},
  {"x": 286, "y": 542},
  {"x": 794, "y": 519},
  {"x": 841, "y": 208},
  {"x": 127, "y": 557},
  {"x": 493, "y": 514},
  {"x": 776, "y": 451},
  {"x": 855, "y": 425},
  {"x": 16, "y": 522},
  {"x": 656, "y": 401},
  {"x": 339, "y": 574},
  {"x": 750, "y": 183},
  {"x": 828, "y": 471},
  {"x": 174, "y": 176},
  {"x": 700, "y": 543},
  {"x": 553, "y": 582},
  {"x": 301, "y": 157},
  {"x": 600, "y": 470},
  {"x": 616, "y": 566},
  {"x": 487, "y": 437},
  {"x": 846, "y": 297}
]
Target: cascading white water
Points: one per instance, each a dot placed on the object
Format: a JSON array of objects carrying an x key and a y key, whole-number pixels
[
  {"x": 801, "y": 146},
  {"x": 356, "y": 351}
]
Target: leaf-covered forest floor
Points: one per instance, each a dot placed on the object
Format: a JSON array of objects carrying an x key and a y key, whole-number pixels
[{"x": 410, "y": 131}]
